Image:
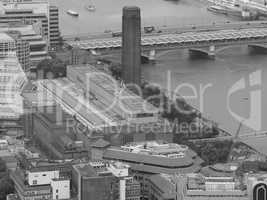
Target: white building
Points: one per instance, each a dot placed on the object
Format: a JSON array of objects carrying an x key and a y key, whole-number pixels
[
  {"x": 60, "y": 188},
  {"x": 41, "y": 177}
]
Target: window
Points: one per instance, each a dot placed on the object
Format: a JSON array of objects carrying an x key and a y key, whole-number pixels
[
  {"x": 56, "y": 190},
  {"x": 34, "y": 182}
]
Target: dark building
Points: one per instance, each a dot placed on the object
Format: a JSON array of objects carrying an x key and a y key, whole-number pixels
[
  {"x": 131, "y": 45},
  {"x": 99, "y": 180}
]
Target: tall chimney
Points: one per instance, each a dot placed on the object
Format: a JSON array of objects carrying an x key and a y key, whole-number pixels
[{"x": 131, "y": 45}]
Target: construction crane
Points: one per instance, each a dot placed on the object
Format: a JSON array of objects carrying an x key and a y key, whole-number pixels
[{"x": 235, "y": 139}]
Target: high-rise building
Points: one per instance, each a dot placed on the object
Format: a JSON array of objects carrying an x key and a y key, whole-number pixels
[
  {"x": 30, "y": 11},
  {"x": 31, "y": 47},
  {"x": 131, "y": 45},
  {"x": 12, "y": 79},
  {"x": 53, "y": 26}
]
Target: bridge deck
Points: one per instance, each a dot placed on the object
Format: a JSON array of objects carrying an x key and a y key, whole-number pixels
[{"x": 178, "y": 40}]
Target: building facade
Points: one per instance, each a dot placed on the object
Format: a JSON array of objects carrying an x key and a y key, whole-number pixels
[{"x": 54, "y": 33}]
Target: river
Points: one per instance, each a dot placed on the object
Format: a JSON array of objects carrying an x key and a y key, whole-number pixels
[{"x": 229, "y": 66}]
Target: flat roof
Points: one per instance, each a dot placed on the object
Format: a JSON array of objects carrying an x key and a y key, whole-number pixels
[
  {"x": 86, "y": 170},
  {"x": 107, "y": 83},
  {"x": 72, "y": 97},
  {"x": 117, "y": 153},
  {"x": 40, "y": 6}
]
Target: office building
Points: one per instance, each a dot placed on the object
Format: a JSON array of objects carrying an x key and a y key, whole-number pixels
[
  {"x": 24, "y": 191},
  {"x": 7, "y": 45},
  {"x": 30, "y": 12},
  {"x": 12, "y": 80},
  {"x": 45, "y": 184},
  {"x": 31, "y": 48},
  {"x": 104, "y": 180},
  {"x": 131, "y": 45}
]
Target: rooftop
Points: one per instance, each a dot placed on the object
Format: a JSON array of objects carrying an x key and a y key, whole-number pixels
[
  {"x": 37, "y": 6},
  {"x": 92, "y": 169},
  {"x": 157, "y": 157},
  {"x": 97, "y": 79},
  {"x": 156, "y": 148},
  {"x": 18, "y": 178},
  {"x": 100, "y": 106},
  {"x": 100, "y": 168},
  {"x": 100, "y": 143},
  {"x": 199, "y": 185}
]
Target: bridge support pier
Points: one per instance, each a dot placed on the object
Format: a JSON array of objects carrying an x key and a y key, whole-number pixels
[
  {"x": 258, "y": 48},
  {"x": 203, "y": 52}
]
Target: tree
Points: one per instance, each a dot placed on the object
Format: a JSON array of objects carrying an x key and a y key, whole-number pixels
[
  {"x": 116, "y": 71},
  {"x": 2, "y": 165},
  {"x": 211, "y": 152},
  {"x": 6, "y": 187},
  {"x": 54, "y": 67}
]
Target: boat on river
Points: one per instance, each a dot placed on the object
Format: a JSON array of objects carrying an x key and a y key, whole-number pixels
[{"x": 73, "y": 13}]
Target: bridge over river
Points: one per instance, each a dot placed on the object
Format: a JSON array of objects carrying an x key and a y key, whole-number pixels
[{"x": 203, "y": 42}]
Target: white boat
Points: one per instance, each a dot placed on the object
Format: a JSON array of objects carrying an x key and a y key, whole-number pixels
[
  {"x": 90, "y": 8},
  {"x": 73, "y": 13}
]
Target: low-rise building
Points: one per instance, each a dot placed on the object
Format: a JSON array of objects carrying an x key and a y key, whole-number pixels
[
  {"x": 200, "y": 187},
  {"x": 154, "y": 157},
  {"x": 25, "y": 191},
  {"x": 40, "y": 184}
]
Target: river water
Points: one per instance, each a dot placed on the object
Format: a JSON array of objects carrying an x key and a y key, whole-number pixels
[{"x": 230, "y": 65}]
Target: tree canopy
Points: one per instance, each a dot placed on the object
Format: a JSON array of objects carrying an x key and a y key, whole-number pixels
[
  {"x": 6, "y": 187},
  {"x": 54, "y": 66}
]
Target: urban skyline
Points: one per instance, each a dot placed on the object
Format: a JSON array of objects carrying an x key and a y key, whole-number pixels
[{"x": 147, "y": 111}]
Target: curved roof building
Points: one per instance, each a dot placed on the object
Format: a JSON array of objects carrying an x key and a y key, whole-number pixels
[{"x": 156, "y": 157}]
